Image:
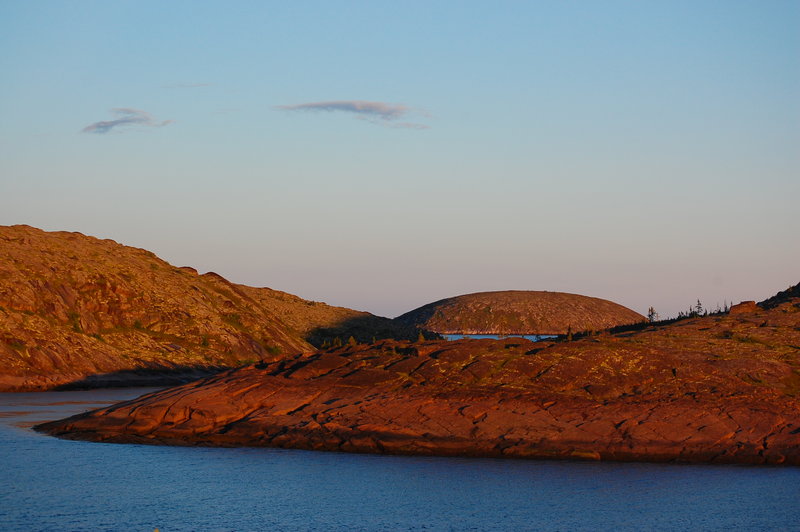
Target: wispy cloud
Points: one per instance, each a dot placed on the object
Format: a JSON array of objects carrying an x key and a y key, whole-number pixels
[
  {"x": 127, "y": 117},
  {"x": 186, "y": 85},
  {"x": 382, "y": 113}
]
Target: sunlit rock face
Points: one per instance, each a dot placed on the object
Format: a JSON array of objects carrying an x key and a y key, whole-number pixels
[
  {"x": 721, "y": 389},
  {"x": 77, "y": 310},
  {"x": 519, "y": 312}
]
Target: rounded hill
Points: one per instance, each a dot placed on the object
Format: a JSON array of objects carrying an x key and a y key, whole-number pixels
[{"x": 519, "y": 312}]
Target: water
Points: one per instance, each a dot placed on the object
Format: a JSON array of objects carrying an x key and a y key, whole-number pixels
[
  {"x": 531, "y": 337},
  {"x": 51, "y": 484}
]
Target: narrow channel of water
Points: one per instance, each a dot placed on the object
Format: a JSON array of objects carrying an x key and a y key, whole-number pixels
[{"x": 531, "y": 337}]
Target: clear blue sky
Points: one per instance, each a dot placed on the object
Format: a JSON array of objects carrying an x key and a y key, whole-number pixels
[{"x": 382, "y": 155}]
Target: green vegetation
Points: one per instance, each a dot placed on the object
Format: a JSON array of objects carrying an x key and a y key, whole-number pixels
[
  {"x": 749, "y": 340},
  {"x": 234, "y": 320},
  {"x": 273, "y": 349},
  {"x": 228, "y": 295},
  {"x": 16, "y": 345},
  {"x": 75, "y": 321},
  {"x": 697, "y": 310}
]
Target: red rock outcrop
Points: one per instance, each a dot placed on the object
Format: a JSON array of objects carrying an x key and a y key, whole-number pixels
[
  {"x": 519, "y": 312},
  {"x": 76, "y": 309},
  {"x": 743, "y": 308},
  {"x": 722, "y": 389}
]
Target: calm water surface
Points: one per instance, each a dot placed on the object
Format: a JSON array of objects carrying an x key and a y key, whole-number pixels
[
  {"x": 532, "y": 337},
  {"x": 52, "y": 484}
]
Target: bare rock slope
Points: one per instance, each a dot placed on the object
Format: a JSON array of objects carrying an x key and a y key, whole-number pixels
[
  {"x": 519, "y": 312},
  {"x": 83, "y": 311},
  {"x": 723, "y": 388}
]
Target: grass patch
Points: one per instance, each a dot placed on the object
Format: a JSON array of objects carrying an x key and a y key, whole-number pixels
[
  {"x": 749, "y": 340},
  {"x": 273, "y": 349},
  {"x": 227, "y": 294},
  {"x": 234, "y": 320},
  {"x": 16, "y": 345},
  {"x": 74, "y": 319}
]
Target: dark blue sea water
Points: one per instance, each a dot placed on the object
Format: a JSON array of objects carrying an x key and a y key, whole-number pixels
[{"x": 51, "y": 484}]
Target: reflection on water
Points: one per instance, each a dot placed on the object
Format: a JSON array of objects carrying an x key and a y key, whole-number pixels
[
  {"x": 531, "y": 337},
  {"x": 52, "y": 484}
]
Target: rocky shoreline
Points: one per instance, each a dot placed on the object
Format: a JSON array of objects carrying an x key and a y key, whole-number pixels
[
  {"x": 717, "y": 389},
  {"x": 120, "y": 379}
]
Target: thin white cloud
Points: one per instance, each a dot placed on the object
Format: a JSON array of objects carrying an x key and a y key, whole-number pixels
[
  {"x": 376, "y": 112},
  {"x": 127, "y": 117}
]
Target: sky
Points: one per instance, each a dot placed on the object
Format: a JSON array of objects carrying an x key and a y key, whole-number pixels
[{"x": 383, "y": 155}]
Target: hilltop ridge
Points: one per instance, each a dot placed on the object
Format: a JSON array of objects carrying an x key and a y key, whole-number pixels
[
  {"x": 78, "y": 310},
  {"x": 519, "y": 312}
]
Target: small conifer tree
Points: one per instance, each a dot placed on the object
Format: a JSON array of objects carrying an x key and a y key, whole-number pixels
[{"x": 698, "y": 308}]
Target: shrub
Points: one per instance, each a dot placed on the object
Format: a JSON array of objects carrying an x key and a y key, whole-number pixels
[{"x": 273, "y": 349}]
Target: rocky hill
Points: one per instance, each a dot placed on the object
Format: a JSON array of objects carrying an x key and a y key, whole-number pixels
[
  {"x": 722, "y": 388},
  {"x": 519, "y": 312},
  {"x": 83, "y": 311},
  {"x": 782, "y": 298},
  {"x": 319, "y": 323}
]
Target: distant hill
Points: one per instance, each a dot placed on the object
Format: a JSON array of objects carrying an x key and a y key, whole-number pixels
[
  {"x": 80, "y": 310},
  {"x": 519, "y": 312},
  {"x": 786, "y": 296},
  {"x": 318, "y": 323}
]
